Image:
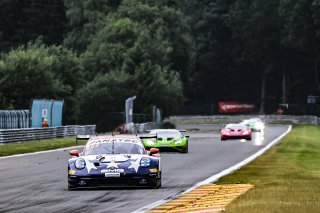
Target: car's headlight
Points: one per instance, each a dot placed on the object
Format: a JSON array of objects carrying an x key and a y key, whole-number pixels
[
  {"x": 145, "y": 162},
  {"x": 225, "y": 132},
  {"x": 150, "y": 142},
  {"x": 80, "y": 163},
  {"x": 245, "y": 132},
  {"x": 178, "y": 142}
]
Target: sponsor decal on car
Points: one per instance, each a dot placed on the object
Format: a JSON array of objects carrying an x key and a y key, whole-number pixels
[
  {"x": 111, "y": 140},
  {"x": 112, "y": 174},
  {"x": 112, "y": 170}
]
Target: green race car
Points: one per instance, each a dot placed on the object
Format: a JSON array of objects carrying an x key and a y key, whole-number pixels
[
  {"x": 167, "y": 140},
  {"x": 255, "y": 124}
]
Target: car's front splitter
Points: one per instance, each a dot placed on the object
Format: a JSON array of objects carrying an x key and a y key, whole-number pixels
[{"x": 145, "y": 180}]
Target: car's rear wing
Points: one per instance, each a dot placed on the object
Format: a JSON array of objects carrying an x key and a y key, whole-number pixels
[{"x": 146, "y": 136}]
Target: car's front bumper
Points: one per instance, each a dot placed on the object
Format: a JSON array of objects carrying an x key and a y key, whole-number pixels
[
  {"x": 236, "y": 136},
  {"x": 143, "y": 180}
]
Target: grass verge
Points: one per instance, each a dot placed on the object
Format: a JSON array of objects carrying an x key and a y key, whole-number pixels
[
  {"x": 286, "y": 178},
  {"x": 40, "y": 145}
]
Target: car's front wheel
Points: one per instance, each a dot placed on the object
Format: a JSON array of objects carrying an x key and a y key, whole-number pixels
[
  {"x": 185, "y": 150},
  {"x": 157, "y": 183},
  {"x": 71, "y": 188}
]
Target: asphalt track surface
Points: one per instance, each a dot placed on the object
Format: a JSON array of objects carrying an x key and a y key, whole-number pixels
[{"x": 38, "y": 183}]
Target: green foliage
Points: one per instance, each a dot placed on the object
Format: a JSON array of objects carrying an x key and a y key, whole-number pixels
[
  {"x": 208, "y": 50},
  {"x": 66, "y": 68},
  {"x": 86, "y": 18},
  {"x": 284, "y": 178},
  {"x": 38, "y": 71},
  {"x": 108, "y": 92},
  {"x": 25, "y": 20},
  {"x": 27, "y": 73},
  {"x": 104, "y": 94},
  {"x": 157, "y": 86},
  {"x": 36, "y": 146}
]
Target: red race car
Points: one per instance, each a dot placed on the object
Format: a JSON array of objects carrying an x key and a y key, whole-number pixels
[{"x": 236, "y": 131}]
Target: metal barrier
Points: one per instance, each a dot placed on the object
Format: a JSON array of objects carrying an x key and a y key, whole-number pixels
[
  {"x": 224, "y": 119},
  {"x": 14, "y": 119},
  {"x": 19, "y": 135}
]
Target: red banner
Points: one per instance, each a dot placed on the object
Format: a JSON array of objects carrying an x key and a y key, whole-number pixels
[{"x": 235, "y": 107}]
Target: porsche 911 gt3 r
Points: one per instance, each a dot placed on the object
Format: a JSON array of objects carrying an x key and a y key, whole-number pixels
[
  {"x": 167, "y": 140},
  {"x": 236, "y": 131},
  {"x": 114, "y": 161}
]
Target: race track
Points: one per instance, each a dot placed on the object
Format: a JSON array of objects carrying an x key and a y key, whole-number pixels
[{"x": 38, "y": 183}]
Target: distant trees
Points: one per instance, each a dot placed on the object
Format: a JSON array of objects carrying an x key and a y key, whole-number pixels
[
  {"x": 143, "y": 43},
  {"x": 24, "y": 20},
  {"x": 168, "y": 53},
  {"x": 37, "y": 71}
]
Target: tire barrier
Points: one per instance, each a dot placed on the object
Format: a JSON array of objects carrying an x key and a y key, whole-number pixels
[
  {"x": 29, "y": 134},
  {"x": 14, "y": 119}
]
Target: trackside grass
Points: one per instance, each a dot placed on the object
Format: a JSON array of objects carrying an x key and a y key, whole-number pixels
[
  {"x": 286, "y": 178},
  {"x": 41, "y": 145}
]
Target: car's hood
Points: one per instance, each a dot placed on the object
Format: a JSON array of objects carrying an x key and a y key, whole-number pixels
[
  {"x": 97, "y": 163},
  {"x": 105, "y": 158}
]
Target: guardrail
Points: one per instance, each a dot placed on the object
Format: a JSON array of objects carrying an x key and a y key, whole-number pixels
[
  {"x": 293, "y": 119},
  {"x": 29, "y": 134}
]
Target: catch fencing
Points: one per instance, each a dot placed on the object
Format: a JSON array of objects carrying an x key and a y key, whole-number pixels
[
  {"x": 14, "y": 119},
  {"x": 30, "y": 134}
]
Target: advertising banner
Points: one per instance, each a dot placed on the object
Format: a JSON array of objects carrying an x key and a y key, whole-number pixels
[{"x": 235, "y": 107}]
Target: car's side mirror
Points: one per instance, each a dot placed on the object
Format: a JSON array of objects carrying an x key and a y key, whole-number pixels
[
  {"x": 74, "y": 153},
  {"x": 154, "y": 151}
]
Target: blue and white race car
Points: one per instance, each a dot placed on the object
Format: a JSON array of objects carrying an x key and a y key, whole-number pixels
[{"x": 114, "y": 161}]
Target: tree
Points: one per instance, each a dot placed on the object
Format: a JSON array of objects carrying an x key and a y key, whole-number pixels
[
  {"x": 137, "y": 41},
  {"x": 66, "y": 68},
  {"x": 256, "y": 31},
  {"x": 301, "y": 36},
  {"x": 86, "y": 18},
  {"x": 168, "y": 25},
  {"x": 38, "y": 71},
  {"x": 213, "y": 50},
  {"x": 26, "y": 20},
  {"x": 11, "y": 13},
  {"x": 107, "y": 93}
]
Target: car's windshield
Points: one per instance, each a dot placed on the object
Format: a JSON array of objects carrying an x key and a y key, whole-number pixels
[
  {"x": 112, "y": 147},
  {"x": 169, "y": 135},
  {"x": 236, "y": 126}
]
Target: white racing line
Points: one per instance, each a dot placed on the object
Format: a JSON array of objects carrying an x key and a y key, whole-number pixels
[
  {"x": 216, "y": 176},
  {"x": 41, "y": 152}
]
